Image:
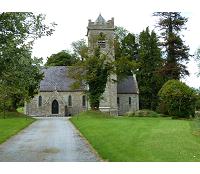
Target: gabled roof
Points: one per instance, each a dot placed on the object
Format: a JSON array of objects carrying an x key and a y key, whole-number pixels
[{"x": 56, "y": 79}]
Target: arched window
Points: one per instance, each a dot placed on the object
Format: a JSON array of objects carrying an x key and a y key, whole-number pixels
[
  {"x": 40, "y": 101},
  {"x": 129, "y": 101},
  {"x": 84, "y": 101},
  {"x": 70, "y": 100}
]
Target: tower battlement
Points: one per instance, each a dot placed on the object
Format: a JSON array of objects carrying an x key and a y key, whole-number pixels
[{"x": 100, "y": 24}]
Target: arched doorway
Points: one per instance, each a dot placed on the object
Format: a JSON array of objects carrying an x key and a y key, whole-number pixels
[{"x": 55, "y": 107}]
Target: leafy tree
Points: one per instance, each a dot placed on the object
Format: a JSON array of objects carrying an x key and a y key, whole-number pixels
[
  {"x": 148, "y": 76},
  {"x": 125, "y": 47},
  {"x": 120, "y": 34},
  {"x": 178, "y": 98},
  {"x": 80, "y": 49},
  {"x": 129, "y": 46},
  {"x": 171, "y": 24},
  {"x": 62, "y": 58},
  {"x": 19, "y": 73}
]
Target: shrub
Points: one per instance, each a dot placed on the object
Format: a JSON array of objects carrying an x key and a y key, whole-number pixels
[{"x": 178, "y": 99}]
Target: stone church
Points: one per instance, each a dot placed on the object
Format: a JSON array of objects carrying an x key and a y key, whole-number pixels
[{"x": 56, "y": 98}]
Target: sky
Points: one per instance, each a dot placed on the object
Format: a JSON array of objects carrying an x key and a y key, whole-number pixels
[{"x": 72, "y": 18}]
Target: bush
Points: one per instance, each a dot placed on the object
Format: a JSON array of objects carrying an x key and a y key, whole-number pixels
[{"x": 177, "y": 98}]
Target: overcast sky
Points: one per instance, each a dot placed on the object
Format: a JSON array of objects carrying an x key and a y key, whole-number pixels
[{"x": 72, "y": 19}]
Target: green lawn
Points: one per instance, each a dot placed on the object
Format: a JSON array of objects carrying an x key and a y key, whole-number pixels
[
  {"x": 139, "y": 138},
  {"x": 13, "y": 123}
]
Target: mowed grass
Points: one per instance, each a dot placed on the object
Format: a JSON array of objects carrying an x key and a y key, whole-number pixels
[
  {"x": 139, "y": 138},
  {"x": 12, "y": 124}
]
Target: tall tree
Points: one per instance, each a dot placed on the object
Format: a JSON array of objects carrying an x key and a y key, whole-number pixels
[
  {"x": 148, "y": 75},
  {"x": 171, "y": 24},
  {"x": 18, "y": 71},
  {"x": 126, "y": 47},
  {"x": 62, "y": 58},
  {"x": 80, "y": 49},
  {"x": 120, "y": 34}
]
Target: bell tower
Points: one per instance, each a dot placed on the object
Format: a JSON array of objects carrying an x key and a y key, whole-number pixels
[{"x": 105, "y": 31}]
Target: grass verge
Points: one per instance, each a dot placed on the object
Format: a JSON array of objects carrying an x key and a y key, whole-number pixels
[
  {"x": 139, "y": 138},
  {"x": 12, "y": 124}
]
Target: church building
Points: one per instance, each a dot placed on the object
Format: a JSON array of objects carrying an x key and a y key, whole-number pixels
[{"x": 56, "y": 98}]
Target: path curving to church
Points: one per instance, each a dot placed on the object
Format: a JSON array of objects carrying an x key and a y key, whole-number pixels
[{"x": 47, "y": 139}]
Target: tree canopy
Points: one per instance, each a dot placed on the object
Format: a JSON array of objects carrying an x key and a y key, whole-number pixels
[
  {"x": 171, "y": 24},
  {"x": 19, "y": 73},
  {"x": 148, "y": 75},
  {"x": 62, "y": 58}
]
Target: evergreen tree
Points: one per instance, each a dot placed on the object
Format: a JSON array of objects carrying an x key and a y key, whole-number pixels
[
  {"x": 171, "y": 24},
  {"x": 149, "y": 79}
]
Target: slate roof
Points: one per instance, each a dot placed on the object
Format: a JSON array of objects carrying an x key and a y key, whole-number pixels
[
  {"x": 100, "y": 20},
  {"x": 127, "y": 86},
  {"x": 55, "y": 78}
]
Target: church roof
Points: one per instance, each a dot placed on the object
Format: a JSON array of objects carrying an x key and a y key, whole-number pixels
[
  {"x": 55, "y": 78},
  {"x": 100, "y": 20},
  {"x": 127, "y": 85}
]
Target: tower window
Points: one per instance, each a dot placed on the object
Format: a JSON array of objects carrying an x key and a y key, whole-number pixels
[
  {"x": 102, "y": 43},
  {"x": 70, "y": 100},
  {"x": 84, "y": 101},
  {"x": 40, "y": 101},
  {"x": 101, "y": 40},
  {"x": 129, "y": 100}
]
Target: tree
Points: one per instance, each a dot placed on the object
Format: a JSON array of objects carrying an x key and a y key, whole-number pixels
[
  {"x": 149, "y": 79},
  {"x": 178, "y": 98},
  {"x": 171, "y": 24},
  {"x": 62, "y": 58},
  {"x": 18, "y": 71},
  {"x": 125, "y": 46},
  {"x": 120, "y": 34},
  {"x": 80, "y": 49}
]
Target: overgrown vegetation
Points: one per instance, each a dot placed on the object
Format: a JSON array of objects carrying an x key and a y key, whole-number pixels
[{"x": 139, "y": 138}]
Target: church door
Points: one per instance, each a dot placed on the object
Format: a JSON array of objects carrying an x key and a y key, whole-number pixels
[{"x": 55, "y": 107}]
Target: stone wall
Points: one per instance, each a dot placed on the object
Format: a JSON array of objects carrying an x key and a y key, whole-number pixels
[
  {"x": 124, "y": 106},
  {"x": 45, "y": 109}
]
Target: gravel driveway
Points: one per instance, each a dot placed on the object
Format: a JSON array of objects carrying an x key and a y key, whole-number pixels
[{"x": 47, "y": 139}]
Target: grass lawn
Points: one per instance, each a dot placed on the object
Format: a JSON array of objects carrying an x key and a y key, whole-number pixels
[
  {"x": 139, "y": 138},
  {"x": 13, "y": 123}
]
